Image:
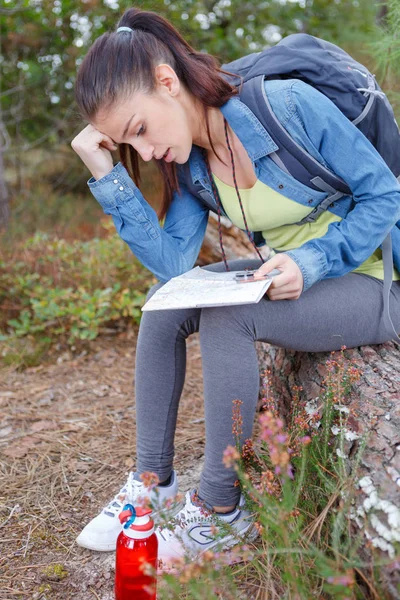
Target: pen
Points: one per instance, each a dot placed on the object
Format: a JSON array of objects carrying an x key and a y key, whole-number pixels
[{"x": 247, "y": 276}]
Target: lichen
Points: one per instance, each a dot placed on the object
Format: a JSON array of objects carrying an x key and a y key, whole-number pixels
[
  {"x": 342, "y": 408},
  {"x": 394, "y": 475},
  {"x": 340, "y": 453},
  {"x": 349, "y": 435},
  {"x": 384, "y": 533}
]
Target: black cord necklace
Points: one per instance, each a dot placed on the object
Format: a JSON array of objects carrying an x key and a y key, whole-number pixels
[{"x": 219, "y": 203}]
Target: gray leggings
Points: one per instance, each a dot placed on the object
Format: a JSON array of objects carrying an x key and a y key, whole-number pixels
[{"x": 334, "y": 312}]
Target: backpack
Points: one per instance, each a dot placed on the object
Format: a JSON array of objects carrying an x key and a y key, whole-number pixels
[
  {"x": 333, "y": 72},
  {"x": 350, "y": 86}
]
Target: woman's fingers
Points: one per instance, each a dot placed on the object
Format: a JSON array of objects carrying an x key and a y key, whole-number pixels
[
  {"x": 283, "y": 294},
  {"x": 109, "y": 144},
  {"x": 91, "y": 138},
  {"x": 94, "y": 148},
  {"x": 289, "y": 284}
]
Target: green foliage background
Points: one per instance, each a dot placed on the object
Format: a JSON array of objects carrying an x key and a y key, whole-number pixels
[
  {"x": 43, "y": 41},
  {"x": 42, "y": 44}
]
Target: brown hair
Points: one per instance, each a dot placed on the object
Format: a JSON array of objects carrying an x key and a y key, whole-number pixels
[{"x": 119, "y": 64}]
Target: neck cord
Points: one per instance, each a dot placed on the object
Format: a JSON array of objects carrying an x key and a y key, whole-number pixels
[{"x": 219, "y": 203}]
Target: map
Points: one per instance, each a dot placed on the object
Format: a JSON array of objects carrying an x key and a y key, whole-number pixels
[{"x": 200, "y": 288}]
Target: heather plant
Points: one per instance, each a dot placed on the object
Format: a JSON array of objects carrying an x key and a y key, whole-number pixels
[{"x": 299, "y": 487}]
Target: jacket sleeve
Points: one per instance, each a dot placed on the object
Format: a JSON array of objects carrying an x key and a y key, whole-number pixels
[
  {"x": 166, "y": 251},
  {"x": 376, "y": 192}
]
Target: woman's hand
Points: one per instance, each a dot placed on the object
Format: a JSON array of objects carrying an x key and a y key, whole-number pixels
[
  {"x": 94, "y": 148},
  {"x": 289, "y": 284}
]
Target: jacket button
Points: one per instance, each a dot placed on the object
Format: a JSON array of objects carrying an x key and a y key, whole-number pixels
[
  {"x": 121, "y": 188},
  {"x": 310, "y": 201},
  {"x": 332, "y": 205},
  {"x": 280, "y": 186},
  {"x": 115, "y": 181}
]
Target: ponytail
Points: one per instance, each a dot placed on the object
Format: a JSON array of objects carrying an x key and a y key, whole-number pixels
[{"x": 120, "y": 64}]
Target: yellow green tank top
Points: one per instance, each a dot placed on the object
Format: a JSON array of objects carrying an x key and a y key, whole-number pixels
[{"x": 267, "y": 211}]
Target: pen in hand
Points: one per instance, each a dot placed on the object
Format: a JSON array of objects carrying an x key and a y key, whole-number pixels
[{"x": 248, "y": 276}]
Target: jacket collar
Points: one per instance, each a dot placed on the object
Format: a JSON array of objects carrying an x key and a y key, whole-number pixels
[{"x": 252, "y": 134}]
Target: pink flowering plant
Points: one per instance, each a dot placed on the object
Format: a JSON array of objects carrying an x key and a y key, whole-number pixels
[{"x": 297, "y": 488}]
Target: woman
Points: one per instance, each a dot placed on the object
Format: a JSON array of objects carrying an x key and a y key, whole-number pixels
[{"x": 143, "y": 89}]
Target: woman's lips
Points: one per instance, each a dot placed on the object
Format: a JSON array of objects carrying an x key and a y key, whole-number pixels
[{"x": 168, "y": 156}]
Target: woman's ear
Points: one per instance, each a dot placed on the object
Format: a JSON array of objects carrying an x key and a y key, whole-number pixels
[{"x": 167, "y": 79}]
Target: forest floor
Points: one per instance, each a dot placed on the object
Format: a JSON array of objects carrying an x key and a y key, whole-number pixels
[{"x": 67, "y": 442}]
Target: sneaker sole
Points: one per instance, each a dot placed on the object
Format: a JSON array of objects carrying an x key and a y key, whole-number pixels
[{"x": 105, "y": 548}]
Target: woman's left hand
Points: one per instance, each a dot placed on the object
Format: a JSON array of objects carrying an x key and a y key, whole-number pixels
[{"x": 289, "y": 284}]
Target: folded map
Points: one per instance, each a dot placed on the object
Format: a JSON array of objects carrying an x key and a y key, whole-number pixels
[{"x": 200, "y": 288}]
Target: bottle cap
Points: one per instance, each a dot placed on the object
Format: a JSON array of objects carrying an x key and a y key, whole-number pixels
[{"x": 136, "y": 521}]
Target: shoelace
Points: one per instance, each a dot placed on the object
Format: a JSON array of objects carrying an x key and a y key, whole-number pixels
[{"x": 129, "y": 492}]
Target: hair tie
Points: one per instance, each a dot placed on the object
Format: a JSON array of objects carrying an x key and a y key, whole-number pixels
[{"x": 124, "y": 29}]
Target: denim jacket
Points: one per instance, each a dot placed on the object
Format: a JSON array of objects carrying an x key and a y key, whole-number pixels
[{"x": 317, "y": 125}]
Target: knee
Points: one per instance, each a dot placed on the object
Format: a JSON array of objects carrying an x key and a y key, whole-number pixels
[
  {"x": 170, "y": 323},
  {"x": 227, "y": 318}
]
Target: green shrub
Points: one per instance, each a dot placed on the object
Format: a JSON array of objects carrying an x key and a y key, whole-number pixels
[{"x": 50, "y": 288}]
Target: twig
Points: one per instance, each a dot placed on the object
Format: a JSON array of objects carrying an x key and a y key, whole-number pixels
[
  {"x": 65, "y": 479},
  {"x": 16, "y": 507},
  {"x": 27, "y": 541},
  {"x": 94, "y": 593},
  {"x": 52, "y": 562}
]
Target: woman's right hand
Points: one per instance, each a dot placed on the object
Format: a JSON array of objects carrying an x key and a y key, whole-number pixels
[{"x": 94, "y": 148}]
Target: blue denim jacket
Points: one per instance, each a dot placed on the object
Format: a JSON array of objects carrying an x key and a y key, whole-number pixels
[{"x": 317, "y": 125}]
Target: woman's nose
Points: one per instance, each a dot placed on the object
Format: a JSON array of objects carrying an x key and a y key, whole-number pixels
[{"x": 146, "y": 151}]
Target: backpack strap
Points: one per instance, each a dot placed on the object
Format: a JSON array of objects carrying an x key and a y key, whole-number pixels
[
  {"x": 324, "y": 204},
  {"x": 387, "y": 257},
  {"x": 290, "y": 156}
]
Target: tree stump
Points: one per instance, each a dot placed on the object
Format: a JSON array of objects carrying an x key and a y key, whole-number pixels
[{"x": 375, "y": 400}]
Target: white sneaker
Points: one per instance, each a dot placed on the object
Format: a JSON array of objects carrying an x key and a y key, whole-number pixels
[
  {"x": 101, "y": 533},
  {"x": 196, "y": 530}
]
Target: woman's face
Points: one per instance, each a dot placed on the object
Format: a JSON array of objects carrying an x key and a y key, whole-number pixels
[{"x": 157, "y": 125}]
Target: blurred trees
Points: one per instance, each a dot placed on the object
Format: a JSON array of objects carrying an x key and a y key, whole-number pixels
[
  {"x": 43, "y": 41},
  {"x": 387, "y": 49}
]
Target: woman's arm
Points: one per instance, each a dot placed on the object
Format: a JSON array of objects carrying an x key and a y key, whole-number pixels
[
  {"x": 376, "y": 191},
  {"x": 166, "y": 252}
]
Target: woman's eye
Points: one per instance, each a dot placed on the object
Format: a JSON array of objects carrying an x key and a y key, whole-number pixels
[{"x": 141, "y": 131}]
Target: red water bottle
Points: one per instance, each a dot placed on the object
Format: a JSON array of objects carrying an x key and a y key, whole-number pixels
[{"x": 137, "y": 544}]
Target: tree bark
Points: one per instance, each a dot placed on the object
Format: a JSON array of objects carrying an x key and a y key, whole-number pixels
[
  {"x": 375, "y": 400},
  {"x": 4, "y": 208},
  {"x": 382, "y": 14}
]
